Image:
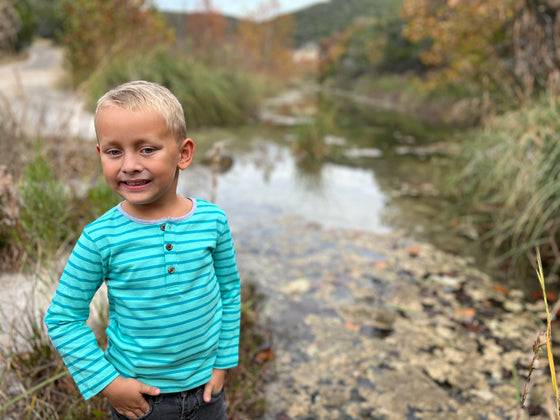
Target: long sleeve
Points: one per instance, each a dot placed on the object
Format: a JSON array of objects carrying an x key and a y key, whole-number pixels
[
  {"x": 67, "y": 315},
  {"x": 228, "y": 279},
  {"x": 174, "y": 300}
]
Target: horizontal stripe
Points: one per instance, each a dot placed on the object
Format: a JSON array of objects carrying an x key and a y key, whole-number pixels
[{"x": 169, "y": 328}]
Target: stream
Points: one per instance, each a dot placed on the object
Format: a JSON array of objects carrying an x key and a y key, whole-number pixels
[
  {"x": 374, "y": 304},
  {"x": 384, "y": 185},
  {"x": 374, "y": 295}
]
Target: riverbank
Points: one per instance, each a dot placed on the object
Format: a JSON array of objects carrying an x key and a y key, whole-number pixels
[
  {"x": 374, "y": 326},
  {"x": 364, "y": 325}
]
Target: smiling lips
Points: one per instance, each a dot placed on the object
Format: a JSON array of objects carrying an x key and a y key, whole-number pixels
[{"x": 132, "y": 184}]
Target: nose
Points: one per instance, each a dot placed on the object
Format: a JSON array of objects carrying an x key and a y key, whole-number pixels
[{"x": 130, "y": 163}]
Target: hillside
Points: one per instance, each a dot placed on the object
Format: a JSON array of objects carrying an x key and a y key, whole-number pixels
[
  {"x": 318, "y": 21},
  {"x": 323, "y": 19}
]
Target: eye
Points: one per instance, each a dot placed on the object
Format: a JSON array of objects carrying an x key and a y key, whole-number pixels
[
  {"x": 113, "y": 152},
  {"x": 148, "y": 150}
]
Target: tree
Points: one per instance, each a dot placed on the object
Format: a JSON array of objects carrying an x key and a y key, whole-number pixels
[
  {"x": 207, "y": 30},
  {"x": 265, "y": 40},
  {"x": 506, "y": 48},
  {"x": 98, "y": 31},
  {"x": 10, "y": 26},
  {"x": 467, "y": 36},
  {"x": 536, "y": 43}
]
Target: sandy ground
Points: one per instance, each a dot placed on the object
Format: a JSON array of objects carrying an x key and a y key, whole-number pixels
[{"x": 32, "y": 90}]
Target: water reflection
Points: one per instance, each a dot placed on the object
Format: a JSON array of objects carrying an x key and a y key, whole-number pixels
[
  {"x": 265, "y": 182},
  {"x": 379, "y": 194}
]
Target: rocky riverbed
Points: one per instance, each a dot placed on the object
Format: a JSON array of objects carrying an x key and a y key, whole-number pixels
[{"x": 365, "y": 326}]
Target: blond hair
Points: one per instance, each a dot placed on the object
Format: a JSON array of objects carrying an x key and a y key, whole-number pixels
[{"x": 140, "y": 95}]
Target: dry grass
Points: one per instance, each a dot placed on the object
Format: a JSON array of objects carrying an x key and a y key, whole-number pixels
[
  {"x": 45, "y": 184},
  {"x": 544, "y": 339}
]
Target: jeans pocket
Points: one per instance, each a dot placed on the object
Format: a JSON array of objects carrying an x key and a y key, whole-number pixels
[
  {"x": 118, "y": 416},
  {"x": 217, "y": 395},
  {"x": 216, "y": 409}
]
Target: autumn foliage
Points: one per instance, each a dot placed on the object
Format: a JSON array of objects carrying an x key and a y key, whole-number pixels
[
  {"x": 265, "y": 46},
  {"x": 259, "y": 43},
  {"x": 504, "y": 47},
  {"x": 207, "y": 30},
  {"x": 98, "y": 31}
]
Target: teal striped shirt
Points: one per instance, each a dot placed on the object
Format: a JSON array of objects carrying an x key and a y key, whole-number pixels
[{"x": 174, "y": 300}]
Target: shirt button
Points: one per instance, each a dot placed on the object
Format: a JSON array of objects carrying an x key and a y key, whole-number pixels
[
  {"x": 169, "y": 247},
  {"x": 162, "y": 227},
  {"x": 171, "y": 270}
]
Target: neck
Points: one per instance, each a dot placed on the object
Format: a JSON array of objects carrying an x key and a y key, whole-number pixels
[{"x": 180, "y": 207}]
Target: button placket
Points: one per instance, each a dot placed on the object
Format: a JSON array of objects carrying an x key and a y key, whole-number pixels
[{"x": 169, "y": 256}]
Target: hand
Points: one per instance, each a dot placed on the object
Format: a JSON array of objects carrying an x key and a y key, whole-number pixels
[
  {"x": 216, "y": 384},
  {"x": 125, "y": 395}
]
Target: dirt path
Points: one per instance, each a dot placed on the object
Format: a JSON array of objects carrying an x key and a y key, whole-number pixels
[{"x": 32, "y": 90}]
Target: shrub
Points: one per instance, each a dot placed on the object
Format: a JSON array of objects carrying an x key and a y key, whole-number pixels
[
  {"x": 210, "y": 96},
  {"x": 510, "y": 180}
]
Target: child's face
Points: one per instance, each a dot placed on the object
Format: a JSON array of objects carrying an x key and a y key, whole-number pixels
[{"x": 140, "y": 157}]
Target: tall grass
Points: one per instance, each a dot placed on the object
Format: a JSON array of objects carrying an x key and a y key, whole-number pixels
[
  {"x": 34, "y": 383},
  {"x": 310, "y": 145},
  {"x": 210, "y": 96},
  {"x": 509, "y": 178},
  {"x": 48, "y": 192},
  {"x": 544, "y": 339}
]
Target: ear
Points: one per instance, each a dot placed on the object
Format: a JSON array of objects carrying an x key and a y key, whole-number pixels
[
  {"x": 187, "y": 153},
  {"x": 98, "y": 149}
]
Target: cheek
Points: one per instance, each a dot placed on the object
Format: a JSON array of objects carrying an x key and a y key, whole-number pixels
[{"x": 109, "y": 168}]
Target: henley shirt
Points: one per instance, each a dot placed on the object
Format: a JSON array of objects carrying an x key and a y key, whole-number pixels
[{"x": 174, "y": 300}]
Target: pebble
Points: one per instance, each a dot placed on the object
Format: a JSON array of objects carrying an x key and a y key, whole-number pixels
[{"x": 422, "y": 335}]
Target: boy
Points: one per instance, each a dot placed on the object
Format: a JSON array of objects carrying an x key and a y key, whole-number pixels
[{"x": 169, "y": 265}]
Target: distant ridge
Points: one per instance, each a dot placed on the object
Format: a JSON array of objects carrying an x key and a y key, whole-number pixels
[{"x": 318, "y": 21}]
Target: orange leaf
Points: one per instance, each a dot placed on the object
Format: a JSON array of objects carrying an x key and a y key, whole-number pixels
[
  {"x": 467, "y": 313},
  {"x": 413, "y": 251},
  {"x": 381, "y": 265},
  {"x": 265, "y": 355},
  {"x": 550, "y": 296},
  {"x": 351, "y": 326},
  {"x": 501, "y": 289}
]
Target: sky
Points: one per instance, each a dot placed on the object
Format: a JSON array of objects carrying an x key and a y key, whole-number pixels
[{"x": 235, "y": 8}]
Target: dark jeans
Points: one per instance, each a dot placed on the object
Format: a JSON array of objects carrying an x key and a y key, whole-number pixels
[{"x": 186, "y": 405}]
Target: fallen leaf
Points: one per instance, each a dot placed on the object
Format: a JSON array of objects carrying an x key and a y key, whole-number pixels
[
  {"x": 265, "y": 355},
  {"x": 550, "y": 296},
  {"x": 467, "y": 313},
  {"x": 351, "y": 326},
  {"x": 501, "y": 289},
  {"x": 381, "y": 265},
  {"x": 413, "y": 251}
]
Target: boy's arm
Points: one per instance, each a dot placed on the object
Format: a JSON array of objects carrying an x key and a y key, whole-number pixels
[
  {"x": 67, "y": 315},
  {"x": 230, "y": 290}
]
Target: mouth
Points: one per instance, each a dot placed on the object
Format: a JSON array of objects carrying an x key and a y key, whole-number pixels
[{"x": 135, "y": 184}]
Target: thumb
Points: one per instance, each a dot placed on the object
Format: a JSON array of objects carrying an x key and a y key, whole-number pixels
[
  {"x": 149, "y": 390},
  {"x": 207, "y": 392}
]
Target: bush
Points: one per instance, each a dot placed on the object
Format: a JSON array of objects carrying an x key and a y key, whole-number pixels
[
  {"x": 210, "y": 96},
  {"x": 45, "y": 214},
  {"x": 510, "y": 180}
]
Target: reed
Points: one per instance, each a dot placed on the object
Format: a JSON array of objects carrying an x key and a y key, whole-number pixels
[
  {"x": 544, "y": 339},
  {"x": 210, "y": 96},
  {"x": 510, "y": 181}
]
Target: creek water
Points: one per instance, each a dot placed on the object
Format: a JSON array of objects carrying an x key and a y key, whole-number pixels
[{"x": 384, "y": 184}]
